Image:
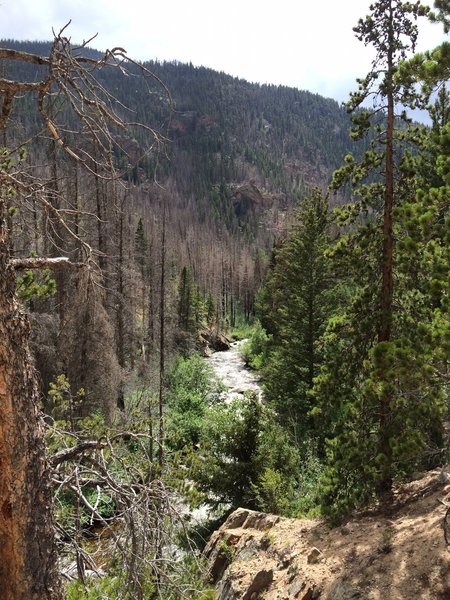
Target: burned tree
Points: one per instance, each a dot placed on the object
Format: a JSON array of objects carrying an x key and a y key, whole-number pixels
[{"x": 66, "y": 85}]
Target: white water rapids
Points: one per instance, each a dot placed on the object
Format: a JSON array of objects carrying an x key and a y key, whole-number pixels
[{"x": 229, "y": 367}]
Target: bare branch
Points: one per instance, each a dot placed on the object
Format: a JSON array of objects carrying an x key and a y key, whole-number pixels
[
  {"x": 71, "y": 453},
  {"x": 35, "y": 262},
  {"x": 23, "y": 56}
]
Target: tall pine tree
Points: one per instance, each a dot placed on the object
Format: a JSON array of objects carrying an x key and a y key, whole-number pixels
[
  {"x": 295, "y": 303},
  {"x": 371, "y": 404}
]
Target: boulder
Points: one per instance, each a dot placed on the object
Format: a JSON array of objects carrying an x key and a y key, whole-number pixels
[
  {"x": 341, "y": 590},
  {"x": 314, "y": 556},
  {"x": 210, "y": 340}
]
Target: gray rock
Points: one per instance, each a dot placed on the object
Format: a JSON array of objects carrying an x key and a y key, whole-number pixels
[
  {"x": 226, "y": 591},
  {"x": 236, "y": 519},
  {"x": 296, "y": 587},
  {"x": 250, "y": 550},
  {"x": 260, "y": 521},
  {"x": 444, "y": 477},
  {"x": 314, "y": 556},
  {"x": 302, "y": 590}
]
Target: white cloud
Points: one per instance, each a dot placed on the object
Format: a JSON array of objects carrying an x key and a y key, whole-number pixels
[{"x": 291, "y": 42}]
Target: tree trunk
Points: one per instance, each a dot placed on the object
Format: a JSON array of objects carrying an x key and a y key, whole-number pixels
[
  {"x": 28, "y": 560},
  {"x": 162, "y": 339},
  {"x": 120, "y": 291},
  {"x": 384, "y": 487},
  {"x": 150, "y": 327}
]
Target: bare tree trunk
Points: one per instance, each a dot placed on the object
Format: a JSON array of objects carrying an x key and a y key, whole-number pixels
[
  {"x": 99, "y": 208},
  {"x": 387, "y": 285},
  {"x": 150, "y": 327},
  {"x": 76, "y": 206},
  {"x": 28, "y": 560},
  {"x": 120, "y": 291},
  {"x": 162, "y": 340}
]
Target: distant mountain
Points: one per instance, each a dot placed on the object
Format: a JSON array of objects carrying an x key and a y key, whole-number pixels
[
  {"x": 224, "y": 131},
  {"x": 238, "y": 155}
]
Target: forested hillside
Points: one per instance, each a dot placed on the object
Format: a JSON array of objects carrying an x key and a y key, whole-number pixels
[{"x": 229, "y": 160}]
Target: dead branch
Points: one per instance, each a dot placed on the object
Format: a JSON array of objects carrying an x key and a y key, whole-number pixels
[
  {"x": 147, "y": 517},
  {"x": 44, "y": 263},
  {"x": 70, "y": 78},
  {"x": 70, "y": 453},
  {"x": 23, "y": 56},
  {"x": 83, "y": 119}
]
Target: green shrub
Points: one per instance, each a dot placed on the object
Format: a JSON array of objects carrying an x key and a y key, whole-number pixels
[
  {"x": 307, "y": 503},
  {"x": 274, "y": 492},
  {"x": 254, "y": 350},
  {"x": 242, "y": 332},
  {"x": 243, "y": 455},
  {"x": 192, "y": 389}
]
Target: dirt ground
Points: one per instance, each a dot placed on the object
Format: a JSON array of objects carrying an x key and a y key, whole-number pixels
[{"x": 395, "y": 554}]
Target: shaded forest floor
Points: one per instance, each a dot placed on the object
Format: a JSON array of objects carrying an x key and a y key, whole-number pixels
[{"x": 395, "y": 554}]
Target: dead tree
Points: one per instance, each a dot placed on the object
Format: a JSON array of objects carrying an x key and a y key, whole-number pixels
[
  {"x": 144, "y": 518},
  {"x": 28, "y": 565}
]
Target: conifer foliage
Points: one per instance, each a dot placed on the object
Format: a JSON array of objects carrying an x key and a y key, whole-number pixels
[
  {"x": 367, "y": 377},
  {"x": 384, "y": 404},
  {"x": 295, "y": 302}
]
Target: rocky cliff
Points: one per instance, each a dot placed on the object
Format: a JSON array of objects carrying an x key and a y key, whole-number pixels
[{"x": 397, "y": 553}]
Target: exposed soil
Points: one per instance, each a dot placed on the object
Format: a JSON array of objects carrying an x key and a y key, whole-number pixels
[{"x": 398, "y": 553}]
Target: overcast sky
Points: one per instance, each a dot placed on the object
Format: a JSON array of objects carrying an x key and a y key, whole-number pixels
[{"x": 301, "y": 43}]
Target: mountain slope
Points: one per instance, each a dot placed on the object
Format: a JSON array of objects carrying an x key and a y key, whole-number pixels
[{"x": 238, "y": 156}]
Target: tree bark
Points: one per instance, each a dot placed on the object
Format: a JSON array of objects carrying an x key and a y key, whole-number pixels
[
  {"x": 162, "y": 339},
  {"x": 28, "y": 559},
  {"x": 384, "y": 487},
  {"x": 36, "y": 262}
]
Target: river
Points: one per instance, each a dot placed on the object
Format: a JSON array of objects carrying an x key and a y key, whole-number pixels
[{"x": 229, "y": 367}]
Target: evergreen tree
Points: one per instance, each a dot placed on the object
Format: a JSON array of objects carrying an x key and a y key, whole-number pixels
[
  {"x": 186, "y": 301},
  {"x": 296, "y": 305},
  {"x": 243, "y": 452},
  {"x": 424, "y": 266},
  {"x": 371, "y": 401}
]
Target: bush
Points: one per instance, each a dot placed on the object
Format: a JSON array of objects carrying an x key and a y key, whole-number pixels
[
  {"x": 243, "y": 455},
  {"x": 254, "y": 351},
  {"x": 308, "y": 501},
  {"x": 274, "y": 492},
  {"x": 192, "y": 390}
]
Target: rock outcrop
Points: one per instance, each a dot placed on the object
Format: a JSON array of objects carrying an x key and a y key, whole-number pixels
[
  {"x": 210, "y": 341},
  {"x": 247, "y": 562},
  {"x": 396, "y": 552}
]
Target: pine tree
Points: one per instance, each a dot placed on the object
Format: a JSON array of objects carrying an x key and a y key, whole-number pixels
[
  {"x": 186, "y": 318},
  {"x": 424, "y": 265},
  {"x": 373, "y": 412},
  {"x": 295, "y": 303}
]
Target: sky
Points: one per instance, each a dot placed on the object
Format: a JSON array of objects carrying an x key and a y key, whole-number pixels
[{"x": 305, "y": 44}]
